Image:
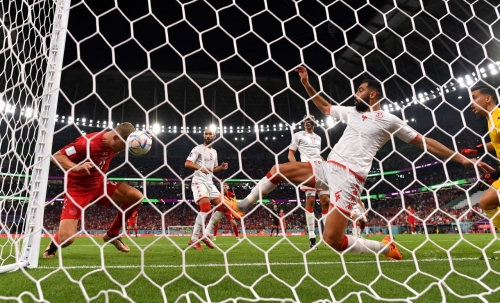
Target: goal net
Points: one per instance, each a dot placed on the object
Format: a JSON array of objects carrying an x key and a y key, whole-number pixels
[{"x": 178, "y": 67}]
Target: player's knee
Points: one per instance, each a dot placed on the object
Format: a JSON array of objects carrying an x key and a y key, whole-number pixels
[
  {"x": 273, "y": 170},
  {"x": 136, "y": 196},
  {"x": 488, "y": 201},
  {"x": 333, "y": 240}
]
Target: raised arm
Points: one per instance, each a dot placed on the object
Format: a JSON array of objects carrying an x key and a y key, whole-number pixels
[{"x": 319, "y": 101}]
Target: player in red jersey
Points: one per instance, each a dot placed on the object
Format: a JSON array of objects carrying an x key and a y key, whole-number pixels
[
  {"x": 410, "y": 219},
  {"x": 132, "y": 222},
  {"x": 228, "y": 197},
  {"x": 86, "y": 162}
]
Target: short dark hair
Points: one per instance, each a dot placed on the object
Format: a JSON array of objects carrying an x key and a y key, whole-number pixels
[
  {"x": 375, "y": 85},
  {"x": 485, "y": 90}
]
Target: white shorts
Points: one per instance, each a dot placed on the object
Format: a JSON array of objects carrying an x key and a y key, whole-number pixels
[
  {"x": 204, "y": 190},
  {"x": 345, "y": 187},
  {"x": 311, "y": 192}
]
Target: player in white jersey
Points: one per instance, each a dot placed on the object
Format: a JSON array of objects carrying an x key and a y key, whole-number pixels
[
  {"x": 368, "y": 129},
  {"x": 308, "y": 143},
  {"x": 203, "y": 160}
]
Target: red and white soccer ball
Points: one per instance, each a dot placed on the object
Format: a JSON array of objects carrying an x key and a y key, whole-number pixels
[{"x": 139, "y": 142}]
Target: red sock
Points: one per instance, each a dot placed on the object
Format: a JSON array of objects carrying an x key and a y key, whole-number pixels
[
  {"x": 56, "y": 238},
  {"x": 235, "y": 228},
  {"x": 344, "y": 244},
  {"x": 274, "y": 180},
  {"x": 324, "y": 211},
  {"x": 116, "y": 227},
  {"x": 216, "y": 228}
]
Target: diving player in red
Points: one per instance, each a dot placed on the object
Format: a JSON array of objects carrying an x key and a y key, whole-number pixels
[
  {"x": 410, "y": 218},
  {"x": 86, "y": 162},
  {"x": 132, "y": 222},
  {"x": 228, "y": 196}
]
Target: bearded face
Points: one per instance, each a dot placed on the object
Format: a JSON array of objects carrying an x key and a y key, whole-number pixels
[{"x": 362, "y": 103}]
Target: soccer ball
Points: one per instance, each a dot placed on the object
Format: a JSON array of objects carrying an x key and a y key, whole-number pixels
[{"x": 139, "y": 142}]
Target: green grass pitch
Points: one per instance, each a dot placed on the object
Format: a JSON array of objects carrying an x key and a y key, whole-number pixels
[{"x": 436, "y": 269}]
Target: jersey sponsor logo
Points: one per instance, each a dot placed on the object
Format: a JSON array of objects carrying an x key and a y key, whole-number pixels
[
  {"x": 363, "y": 117},
  {"x": 70, "y": 151},
  {"x": 379, "y": 115}
]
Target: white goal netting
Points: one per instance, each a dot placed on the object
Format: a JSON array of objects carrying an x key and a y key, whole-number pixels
[{"x": 176, "y": 68}]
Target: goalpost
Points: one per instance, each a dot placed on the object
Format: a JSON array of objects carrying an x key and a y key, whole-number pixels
[
  {"x": 421, "y": 51},
  {"x": 34, "y": 38}
]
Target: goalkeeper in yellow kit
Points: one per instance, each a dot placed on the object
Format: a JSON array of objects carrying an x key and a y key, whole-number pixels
[{"x": 484, "y": 102}]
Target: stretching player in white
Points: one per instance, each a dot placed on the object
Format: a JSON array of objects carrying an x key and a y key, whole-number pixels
[
  {"x": 368, "y": 129},
  {"x": 308, "y": 144},
  {"x": 203, "y": 160}
]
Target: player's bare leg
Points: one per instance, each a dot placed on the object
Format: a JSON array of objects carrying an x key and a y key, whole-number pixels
[
  {"x": 129, "y": 199},
  {"x": 296, "y": 172},
  {"x": 136, "y": 230},
  {"x": 310, "y": 218},
  {"x": 324, "y": 200},
  {"x": 489, "y": 203},
  {"x": 235, "y": 228},
  {"x": 205, "y": 207},
  {"x": 334, "y": 236},
  {"x": 63, "y": 238}
]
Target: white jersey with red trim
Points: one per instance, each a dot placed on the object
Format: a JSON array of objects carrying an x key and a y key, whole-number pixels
[
  {"x": 308, "y": 145},
  {"x": 205, "y": 157},
  {"x": 365, "y": 134}
]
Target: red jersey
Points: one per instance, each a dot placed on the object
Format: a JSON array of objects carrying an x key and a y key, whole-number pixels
[
  {"x": 97, "y": 152},
  {"x": 410, "y": 216},
  {"x": 229, "y": 196},
  {"x": 133, "y": 218}
]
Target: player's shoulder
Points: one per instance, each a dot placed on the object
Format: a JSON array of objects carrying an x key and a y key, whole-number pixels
[
  {"x": 300, "y": 132},
  {"x": 496, "y": 114}
]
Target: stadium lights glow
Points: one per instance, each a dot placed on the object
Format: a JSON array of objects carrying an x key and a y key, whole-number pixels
[
  {"x": 330, "y": 122},
  {"x": 156, "y": 128}
]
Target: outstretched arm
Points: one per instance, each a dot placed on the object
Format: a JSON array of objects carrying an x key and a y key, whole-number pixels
[
  {"x": 319, "y": 101},
  {"x": 442, "y": 151}
]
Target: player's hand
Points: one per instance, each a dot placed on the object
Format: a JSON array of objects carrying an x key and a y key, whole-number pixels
[
  {"x": 84, "y": 168},
  {"x": 484, "y": 167},
  {"x": 205, "y": 170},
  {"x": 473, "y": 151},
  {"x": 488, "y": 178},
  {"x": 224, "y": 165},
  {"x": 304, "y": 78}
]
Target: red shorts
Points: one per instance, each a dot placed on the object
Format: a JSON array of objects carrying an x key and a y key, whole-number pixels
[
  {"x": 132, "y": 222},
  {"x": 411, "y": 222},
  {"x": 75, "y": 200},
  {"x": 229, "y": 215}
]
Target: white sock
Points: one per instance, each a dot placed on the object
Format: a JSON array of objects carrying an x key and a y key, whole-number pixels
[
  {"x": 200, "y": 219},
  {"x": 355, "y": 231},
  {"x": 362, "y": 246},
  {"x": 264, "y": 185},
  {"x": 214, "y": 220},
  {"x": 310, "y": 224}
]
